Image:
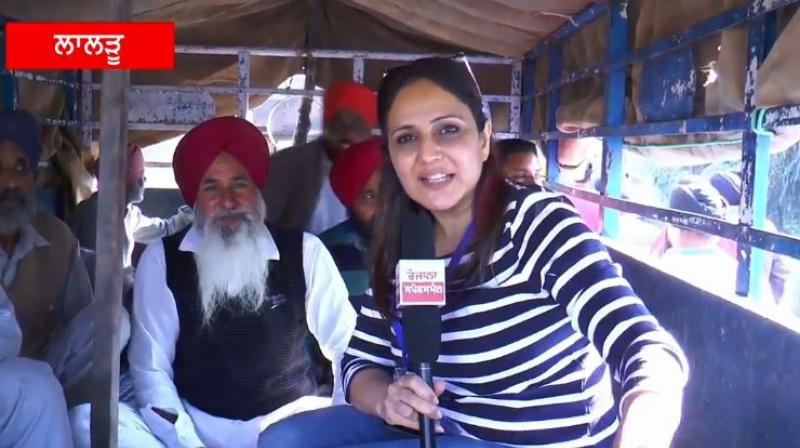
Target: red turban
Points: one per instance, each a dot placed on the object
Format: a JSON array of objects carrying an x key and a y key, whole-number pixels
[
  {"x": 205, "y": 142},
  {"x": 353, "y": 168},
  {"x": 135, "y": 163},
  {"x": 351, "y": 96}
]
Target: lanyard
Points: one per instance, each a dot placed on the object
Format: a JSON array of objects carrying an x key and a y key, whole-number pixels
[{"x": 455, "y": 260}]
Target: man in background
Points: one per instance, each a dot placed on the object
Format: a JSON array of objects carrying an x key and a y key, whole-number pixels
[
  {"x": 521, "y": 163},
  {"x": 138, "y": 227},
  {"x": 355, "y": 178},
  {"x": 298, "y": 193},
  {"x": 33, "y": 412},
  {"x": 696, "y": 256},
  {"x": 777, "y": 268}
]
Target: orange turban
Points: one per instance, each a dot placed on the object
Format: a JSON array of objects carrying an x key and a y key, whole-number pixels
[
  {"x": 353, "y": 168},
  {"x": 198, "y": 149},
  {"x": 351, "y": 96}
]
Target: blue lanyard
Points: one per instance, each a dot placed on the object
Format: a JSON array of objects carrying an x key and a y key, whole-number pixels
[{"x": 455, "y": 260}]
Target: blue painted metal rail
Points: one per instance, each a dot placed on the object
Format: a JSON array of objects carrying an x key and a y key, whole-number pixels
[
  {"x": 659, "y": 47},
  {"x": 569, "y": 29},
  {"x": 612, "y": 172},
  {"x": 8, "y": 84},
  {"x": 780, "y": 244},
  {"x": 769, "y": 119},
  {"x": 715, "y": 124},
  {"x": 774, "y": 117},
  {"x": 753, "y": 123},
  {"x": 696, "y": 33}
]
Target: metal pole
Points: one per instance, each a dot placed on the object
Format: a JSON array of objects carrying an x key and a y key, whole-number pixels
[
  {"x": 8, "y": 83},
  {"x": 780, "y": 244},
  {"x": 304, "y": 114},
  {"x": 71, "y": 89},
  {"x": 358, "y": 69},
  {"x": 528, "y": 103},
  {"x": 516, "y": 91},
  {"x": 110, "y": 214},
  {"x": 612, "y": 170},
  {"x": 235, "y": 90},
  {"x": 8, "y": 88},
  {"x": 567, "y": 30},
  {"x": 312, "y": 34},
  {"x": 755, "y": 158},
  {"x": 553, "y": 101},
  {"x": 86, "y": 108},
  {"x": 243, "y": 98},
  {"x": 334, "y": 54}
]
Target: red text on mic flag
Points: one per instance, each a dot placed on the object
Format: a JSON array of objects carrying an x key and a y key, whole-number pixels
[{"x": 421, "y": 282}]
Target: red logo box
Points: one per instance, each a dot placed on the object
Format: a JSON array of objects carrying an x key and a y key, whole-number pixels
[
  {"x": 90, "y": 45},
  {"x": 421, "y": 282}
]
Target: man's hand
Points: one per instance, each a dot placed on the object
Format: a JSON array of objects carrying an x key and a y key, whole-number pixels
[{"x": 649, "y": 420}]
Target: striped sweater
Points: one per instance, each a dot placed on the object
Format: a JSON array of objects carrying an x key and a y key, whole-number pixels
[{"x": 529, "y": 352}]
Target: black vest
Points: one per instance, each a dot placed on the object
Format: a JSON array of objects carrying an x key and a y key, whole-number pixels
[{"x": 243, "y": 364}]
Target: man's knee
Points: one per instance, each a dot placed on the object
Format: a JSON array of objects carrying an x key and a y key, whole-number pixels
[
  {"x": 80, "y": 418},
  {"x": 132, "y": 431},
  {"x": 32, "y": 407},
  {"x": 291, "y": 431},
  {"x": 124, "y": 328},
  {"x": 29, "y": 383},
  {"x": 343, "y": 424},
  {"x": 282, "y": 433}
]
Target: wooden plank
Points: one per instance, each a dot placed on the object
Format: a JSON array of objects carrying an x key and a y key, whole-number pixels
[
  {"x": 169, "y": 107},
  {"x": 108, "y": 272}
]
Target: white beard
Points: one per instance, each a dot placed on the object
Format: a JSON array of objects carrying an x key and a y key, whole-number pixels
[{"x": 232, "y": 268}]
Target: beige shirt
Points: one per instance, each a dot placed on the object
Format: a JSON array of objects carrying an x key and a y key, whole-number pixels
[{"x": 46, "y": 282}]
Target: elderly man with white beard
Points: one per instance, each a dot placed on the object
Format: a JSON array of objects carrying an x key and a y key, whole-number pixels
[
  {"x": 45, "y": 317},
  {"x": 222, "y": 310}
]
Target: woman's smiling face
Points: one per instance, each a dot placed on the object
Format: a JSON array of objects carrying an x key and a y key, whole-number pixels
[{"x": 435, "y": 146}]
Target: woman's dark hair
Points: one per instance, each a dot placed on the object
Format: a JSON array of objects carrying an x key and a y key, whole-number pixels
[{"x": 454, "y": 76}]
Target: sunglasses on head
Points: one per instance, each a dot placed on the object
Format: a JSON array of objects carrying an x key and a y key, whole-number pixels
[{"x": 460, "y": 58}]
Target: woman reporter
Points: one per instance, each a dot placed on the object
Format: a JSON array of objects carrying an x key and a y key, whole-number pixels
[{"x": 537, "y": 321}]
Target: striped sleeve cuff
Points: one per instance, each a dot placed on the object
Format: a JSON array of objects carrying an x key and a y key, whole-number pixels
[
  {"x": 655, "y": 368},
  {"x": 352, "y": 366}
]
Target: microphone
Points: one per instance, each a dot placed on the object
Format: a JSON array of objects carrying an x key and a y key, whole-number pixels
[{"x": 421, "y": 291}]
